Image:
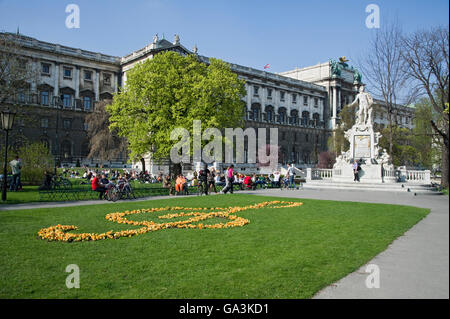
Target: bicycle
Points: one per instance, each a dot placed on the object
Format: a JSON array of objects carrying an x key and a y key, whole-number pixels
[{"x": 59, "y": 182}]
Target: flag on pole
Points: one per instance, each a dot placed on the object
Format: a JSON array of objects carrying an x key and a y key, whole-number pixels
[{"x": 267, "y": 66}]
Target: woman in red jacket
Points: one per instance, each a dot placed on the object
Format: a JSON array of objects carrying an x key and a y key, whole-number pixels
[{"x": 98, "y": 187}]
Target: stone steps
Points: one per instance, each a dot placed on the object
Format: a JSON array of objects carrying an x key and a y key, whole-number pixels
[{"x": 388, "y": 187}]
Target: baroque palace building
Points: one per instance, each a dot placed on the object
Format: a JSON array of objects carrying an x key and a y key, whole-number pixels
[{"x": 303, "y": 104}]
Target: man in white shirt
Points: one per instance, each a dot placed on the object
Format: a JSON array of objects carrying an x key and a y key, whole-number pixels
[{"x": 276, "y": 179}]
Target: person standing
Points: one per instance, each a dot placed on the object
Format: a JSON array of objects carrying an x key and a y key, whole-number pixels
[
  {"x": 211, "y": 180},
  {"x": 230, "y": 177},
  {"x": 356, "y": 169},
  {"x": 203, "y": 179},
  {"x": 16, "y": 166},
  {"x": 291, "y": 172}
]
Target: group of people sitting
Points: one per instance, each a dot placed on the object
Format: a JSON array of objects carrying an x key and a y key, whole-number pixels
[{"x": 101, "y": 183}]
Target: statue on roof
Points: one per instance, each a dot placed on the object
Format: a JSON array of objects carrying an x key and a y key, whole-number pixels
[
  {"x": 176, "y": 40},
  {"x": 195, "y": 49},
  {"x": 155, "y": 38},
  {"x": 357, "y": 77},
  {"x": 335, "y": 68}
]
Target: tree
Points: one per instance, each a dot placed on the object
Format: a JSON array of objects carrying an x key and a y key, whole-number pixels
[
  {"x": 104, "y": 144},
  {"x": 16, "y": 73},
  {"x": 383, "y": 68},
  {"x": 171, "y": 91},
  {"x": 338, "y": 143},
  {"x": 425, "y": 54},
  {"x": 36, "y": 159},
  {"x": 326, "y": 160}
]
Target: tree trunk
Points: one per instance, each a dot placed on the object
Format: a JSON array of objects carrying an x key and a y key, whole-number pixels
[{"x": 444, "y": 167}]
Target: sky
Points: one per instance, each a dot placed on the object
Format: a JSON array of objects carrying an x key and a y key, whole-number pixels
[{"x": 285, "y": 34}]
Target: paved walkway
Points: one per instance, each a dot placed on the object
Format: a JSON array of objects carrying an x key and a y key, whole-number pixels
[{"x": 416, "y": 265}]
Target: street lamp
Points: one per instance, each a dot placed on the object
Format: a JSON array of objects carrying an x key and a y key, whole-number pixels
[
  {"x": 58, "y": 102},
  {"x": 7, "y": 123}
]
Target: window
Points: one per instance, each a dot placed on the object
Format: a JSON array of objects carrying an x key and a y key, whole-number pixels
[
  {"x": 281, "y": 96},
  {"x": 305, "y": 100},
  {"x": 45, "y": 68},
  {"x": 87, "y": 102},
  {"x": 67, "y": 100},
  {"x": 86, "y": 126},
  {"x": 255, "y": 90},
  {"x": 294, "y": 98},
  {"x": 306, "y": 137},
  {"x": 67, "y": 123},
  {"x": 316, "y": 102},
  {"x": 68, "y": 73},
  {"x": 269, "y": 116},
  {"x": 44, "y": 97},
  {"x": 269, "y": 93},
  {"x": 282, "y": 115},
  {"x": 21, "y": 97},
  {"x": 255, "y": 114},
  {"x": 88, "y": 75},
  {"x": 107, "y": 79},
  {"x": 44, "y": 123}
]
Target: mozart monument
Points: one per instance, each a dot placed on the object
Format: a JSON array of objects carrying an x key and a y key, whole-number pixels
[{"x": 375, "y": 163}]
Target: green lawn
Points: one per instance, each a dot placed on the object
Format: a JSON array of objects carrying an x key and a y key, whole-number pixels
[
  {"x": 281, "y": 253},
  {"x": 31, "y": 193}
]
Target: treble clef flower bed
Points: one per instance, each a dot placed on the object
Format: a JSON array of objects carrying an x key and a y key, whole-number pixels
[{"x": 195, "y": 217}]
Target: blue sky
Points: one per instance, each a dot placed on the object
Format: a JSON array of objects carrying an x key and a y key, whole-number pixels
[{"x": 285, "y": 34}]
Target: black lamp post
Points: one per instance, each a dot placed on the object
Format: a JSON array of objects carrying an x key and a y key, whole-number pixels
[
  {"x": 58, "y": 102},
  {"x": 7, "y": 123}
]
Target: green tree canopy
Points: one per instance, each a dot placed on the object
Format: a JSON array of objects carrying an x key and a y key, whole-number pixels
[{"x": 171, "y": 91}]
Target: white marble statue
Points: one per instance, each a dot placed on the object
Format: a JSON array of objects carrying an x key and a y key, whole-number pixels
[
  {"x": 155, "y": 38},
  {"x": 364, "y": 114}
]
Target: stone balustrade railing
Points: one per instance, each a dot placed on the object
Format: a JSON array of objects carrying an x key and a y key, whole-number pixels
[
  {"x": 403, "y": 175},
  {"x": 319, "y": 173},
  {"x": 414, "y": 176}
]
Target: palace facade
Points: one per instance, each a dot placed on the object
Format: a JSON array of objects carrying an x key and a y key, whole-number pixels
[{"x": 303, "y": 104}]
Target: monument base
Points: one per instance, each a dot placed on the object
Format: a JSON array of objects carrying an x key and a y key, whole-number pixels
[{"x": 369, "y": 173}]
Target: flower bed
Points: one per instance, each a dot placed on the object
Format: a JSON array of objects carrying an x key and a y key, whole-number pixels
[{"x": 195, "y": 216}]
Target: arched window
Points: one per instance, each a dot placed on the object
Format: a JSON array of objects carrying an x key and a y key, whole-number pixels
[
  {"x": 294, "y": 117},
  {"x": 282, "y": 115},
  {"x": 255, "y": 111},
  {"x": 66, "y": 149},
  {"x": 305, "y": 117},
  {"x": 316, "y": 118},
  {"x": 269, "y": 113}
]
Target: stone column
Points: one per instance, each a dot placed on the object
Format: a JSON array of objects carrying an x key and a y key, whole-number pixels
[
  {"x": 77, "y": 82},
  {"x": 97, "y": 85},
  {"x": 56, "y": 83}
]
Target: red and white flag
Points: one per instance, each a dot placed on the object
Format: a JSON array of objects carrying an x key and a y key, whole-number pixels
[{"x": 267, "y": 66}]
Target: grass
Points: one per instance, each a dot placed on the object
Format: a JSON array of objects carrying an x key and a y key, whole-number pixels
[
  {"x": 30, "y": 194},
  {"x": 281, "y": 253}
]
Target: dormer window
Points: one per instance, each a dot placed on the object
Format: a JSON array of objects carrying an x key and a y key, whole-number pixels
[
  {"x": 67, "y": 73},
  {"x": 45, "y": 68},
  {"x": 88, "y": 75},
  {"x": 107, "y": 79}
]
